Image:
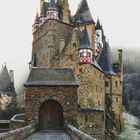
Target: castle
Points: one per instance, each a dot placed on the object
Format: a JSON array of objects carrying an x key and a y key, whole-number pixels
[{"x": 72, "y": 71}]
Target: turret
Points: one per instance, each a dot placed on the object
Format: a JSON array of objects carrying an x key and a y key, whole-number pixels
[
  {"x": 120, "y": 62},
  {"x": 84, "y": 13},
  {"x": 78, "y": 22},
  {"x": 36, "y": 23},
  {"x": 85, "y": 51},
  {"x": 98, "y": 38},
  {"x": 52, "y": 12},
  {"x": 42, "y": 12},
  {"x": 66, "y": 11}
]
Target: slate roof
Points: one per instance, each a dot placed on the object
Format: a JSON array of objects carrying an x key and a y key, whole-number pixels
[
  {"x": 84, "y": 41},
  {"x": 98, "y": 25},
  {"x": 96, "y": 64},
  {"x": 51, "y": 77},
  {"x": 83, "y": 13},
  {"x": 106, "y": 60},
  {"x": 6, "y": 84},
  {"x": 46, "y": 5},
  {"x": 52, "y": 4}
]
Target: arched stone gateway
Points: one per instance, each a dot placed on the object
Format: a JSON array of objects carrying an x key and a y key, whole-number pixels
[{"x": 51, "y": 116}]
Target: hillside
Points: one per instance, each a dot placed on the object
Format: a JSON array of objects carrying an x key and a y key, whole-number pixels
[
  {"x": 131, "y": 97},
  {"x": 132, "y": 128}
]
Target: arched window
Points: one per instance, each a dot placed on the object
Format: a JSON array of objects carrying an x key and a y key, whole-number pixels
[
  {"x": 86, "y": 118},
  {"x": 99, "y": 103},
  {"x": 34, "y": 60},
  {"x": 117, "y": 99},
  {"x": 74, "y": 44}
]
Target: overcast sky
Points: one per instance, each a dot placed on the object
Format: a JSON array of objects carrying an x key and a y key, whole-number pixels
[{"x": 120, "y": 19}]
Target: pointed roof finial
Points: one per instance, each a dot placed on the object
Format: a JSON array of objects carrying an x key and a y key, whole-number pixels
[
  {"x": 36, "y": 18},
  {"x": 98, "y": 25}
]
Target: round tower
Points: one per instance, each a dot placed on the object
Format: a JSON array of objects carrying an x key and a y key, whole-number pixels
[
  {"x": 85, "y": 51},
  {"x": 52, "y": 12}
]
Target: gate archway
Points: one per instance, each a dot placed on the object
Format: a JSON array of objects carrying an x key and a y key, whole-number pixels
[{"x": 51, "y": 116}]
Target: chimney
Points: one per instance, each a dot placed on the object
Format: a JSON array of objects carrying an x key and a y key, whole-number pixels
[
  {"x": 11, "y": 72},
  {"x": 120, "y": 61}
]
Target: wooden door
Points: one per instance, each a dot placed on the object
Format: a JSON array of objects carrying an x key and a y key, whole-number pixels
[{"x": 51, "y": 116}]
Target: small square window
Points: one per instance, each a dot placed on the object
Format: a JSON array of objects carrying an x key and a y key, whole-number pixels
[
  {"x": 80, "y": 70},
  {"x": 71, "y": 57},
  {"x": 88, "y": 54}
]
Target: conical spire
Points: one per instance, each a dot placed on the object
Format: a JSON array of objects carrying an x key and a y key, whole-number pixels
[
  {"x": 5, "y": 80},
  {"x": 106, "y": 60},
  {"x": 85, "y": 51},
  {"x": 42, "y": 8},
  {"x": 85, "y": 39},
  {"x": 83, "y": 6},
  {"x": 84, "y": 12},
  {"x": 36, "y": 18},
  {"x": 98, "y": 25}
]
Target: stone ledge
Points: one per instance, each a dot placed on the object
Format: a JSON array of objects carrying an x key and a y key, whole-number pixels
[
  {"x": 18, "y": 134},
  {"x": 76, "y": 134},
  {"x": 83, "y": 110}
]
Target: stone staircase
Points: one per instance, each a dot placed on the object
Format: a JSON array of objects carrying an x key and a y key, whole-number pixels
[{"x": 49, "y": 135}]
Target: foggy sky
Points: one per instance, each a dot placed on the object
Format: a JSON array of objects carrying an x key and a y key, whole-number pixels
[{"x": 120, "y": 20}]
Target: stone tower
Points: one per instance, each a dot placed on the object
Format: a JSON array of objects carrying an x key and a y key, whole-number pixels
[{"x": 66, "y": 11}]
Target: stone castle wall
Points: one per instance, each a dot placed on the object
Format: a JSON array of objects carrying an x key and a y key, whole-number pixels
[
  {"x": 66, "y": 96},
  {"x": 91, "y": 92},
  {"x": 92, "y": 122},
  {"x": 114, "y": 88},
  {"x": 117, "y": 99}
]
